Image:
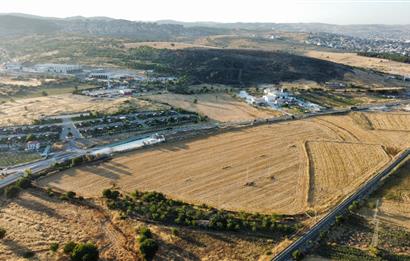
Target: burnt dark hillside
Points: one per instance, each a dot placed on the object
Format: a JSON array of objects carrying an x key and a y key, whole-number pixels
[{"x": 247, "y": 66}]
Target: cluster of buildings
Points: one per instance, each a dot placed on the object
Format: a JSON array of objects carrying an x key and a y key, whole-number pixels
[
  {"x": 75, "y": 70},
  {"x": 277, "y": 98},
  {"x": 357, "y": 44}
]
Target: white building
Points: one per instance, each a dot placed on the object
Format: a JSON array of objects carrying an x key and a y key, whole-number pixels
[
  {"x": 58, "y": 68},
  {"x": 33, "y": 146},
  {"x": 13, "y": 67}
]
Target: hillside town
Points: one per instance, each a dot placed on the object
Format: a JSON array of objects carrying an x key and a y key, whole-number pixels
[{"x": 356, "y": 44}]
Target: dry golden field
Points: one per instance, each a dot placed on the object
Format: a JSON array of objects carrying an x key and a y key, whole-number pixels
[
  {"x": 256, "y": 169},
  {"x": 336, "y": 167},
  {"x": 221, "y": 107},
  {"x": 266, "y": 169},
  {"x": 352, "y": 59},
  {"x": 34, "y": 221},
  {"x": 24, "y": 111},
  {"x": 394, "y": 121},
  {"x": 164, "y": 45}
]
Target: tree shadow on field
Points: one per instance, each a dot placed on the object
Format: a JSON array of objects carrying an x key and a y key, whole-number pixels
[
  {"x": 17, "y": 248},
  {"x": 174, "y": 252},
  {"x": 220, "y": 237},
  {"x": 116, "y": 168},
  {"x": 102, "y": 172},
  {"x": 191, "y": 239},
  {"x": 37, "y": 206},
  {"x": 173, "y": 147}
]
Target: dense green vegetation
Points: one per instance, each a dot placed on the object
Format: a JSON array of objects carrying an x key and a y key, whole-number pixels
[
  {"x": 148, "y": 246},
  {"x": 81, "y": 251},
  {"x": 155, "y": 206},
  {"x": 389, "y": 56}
]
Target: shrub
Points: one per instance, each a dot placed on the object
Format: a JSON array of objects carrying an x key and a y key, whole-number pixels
[
  {"x": 374, "y": 251},
  {"x": 85, "y": 252},
  {"x": 70, "y": 194},
  {"x": 50, "y": 192},
  {"x": 354, "y": 206},
  {"x": 339, "y": 219},
  {"x": 12, "y": 191},
  {"x": 145, "y": 232},
  {"x": 148, "y": 248},
  {"x": 2, "y": 233},
  {"x": 69, "y": 247},
  {"x": 297, "y": 255},
  {"x": 54, "y": 247},
  {"x": 28, "y": 254},
  {"x": 175, "y": 231},
  {"x": 64, "y": 197},
  {"x": 110, "y": 194},
  {"x": 23, "y": 183}
]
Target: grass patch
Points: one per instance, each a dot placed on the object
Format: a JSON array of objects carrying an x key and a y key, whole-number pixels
[{"x": 13, "y": 158}]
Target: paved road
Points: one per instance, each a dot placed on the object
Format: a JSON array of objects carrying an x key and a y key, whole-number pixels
[
  {"x": 329, "y": 219},
  {"x": 68, "y": 126}
]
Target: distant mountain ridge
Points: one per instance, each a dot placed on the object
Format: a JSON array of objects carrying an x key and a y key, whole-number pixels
[
  {"x": 373, "y": 31},
  {"x": 21, "y": 24},
  {"x": 15, "y": 24}
]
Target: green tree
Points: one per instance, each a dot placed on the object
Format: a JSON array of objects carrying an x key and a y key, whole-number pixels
[
  {"x": 297, "y": 255},
  {"x": 30, "y": 137},
  {"x": 54, "y": 247},
  {"x": 2, "y": 233},
  {"x": 85, "y": 252},
  {"x": 148, "y": 248},
  {"x": 23, "y": 183},
  {"x": 12, "y": 191},
  {"x": 69, "y": 247}
]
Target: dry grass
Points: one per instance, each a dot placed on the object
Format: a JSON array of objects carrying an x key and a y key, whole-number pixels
[
  {"x": 353, "y": 59},
  {"x": 336, "y": 168},
  {"x": 263, "y": 169},
  {"x": 214, "y": 170},
  {"x": 34, "y": 221},
  {"x": 32, "y": 82},
  {"x": 220, "y": 107},
  {"x": 394, "y": 206},
  {"x": 164, "y": 45},
  {"x": 390, "y": 121},
  {"x": 24, "y": 111}
]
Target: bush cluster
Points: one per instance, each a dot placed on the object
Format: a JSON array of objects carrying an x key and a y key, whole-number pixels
[
  {"x": 148, "y": 246},
  {"x": 155, "y": 206},
  {"x": 81, "y": 251},
  {"x": 13, "y": 190}
]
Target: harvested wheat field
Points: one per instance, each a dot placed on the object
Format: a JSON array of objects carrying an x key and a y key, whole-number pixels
[
  {"x": 264, "y": 169},
  {"x": 24, "y": 111},
  {"x": 257, "y": 169},
  {"x": 337, "y": 167},
  {"x": 389, "y": 121},
  {"x": 34, "y": 221},
  {"x": 352, "y": 59},
  {"x": 220, "y": 107}
]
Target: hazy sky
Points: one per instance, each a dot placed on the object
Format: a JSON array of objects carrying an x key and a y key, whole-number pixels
[{"x": 326, "y": 11}]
